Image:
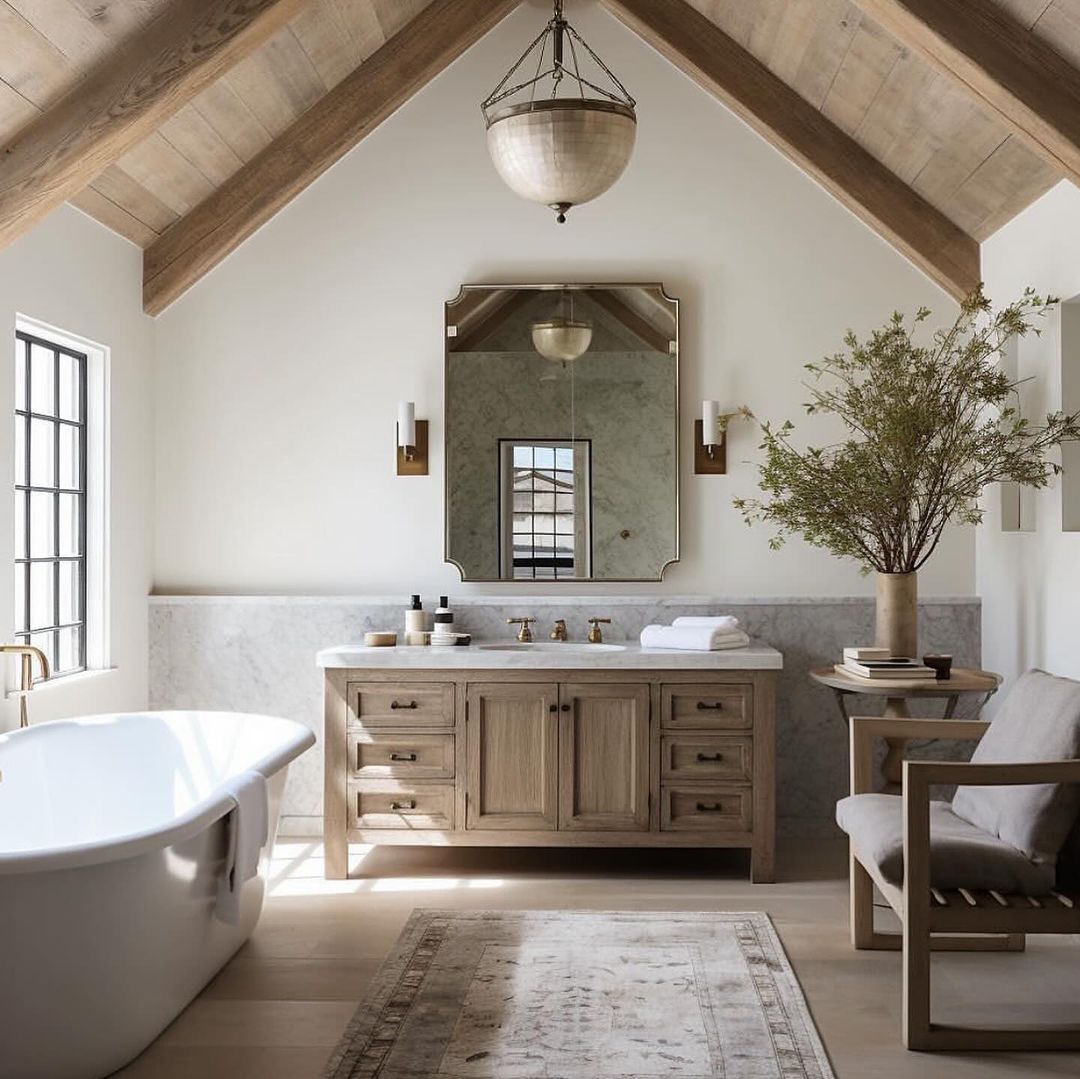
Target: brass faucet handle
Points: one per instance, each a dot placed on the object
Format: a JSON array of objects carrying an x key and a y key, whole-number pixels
[
  {"x": 595, "y": 636},
  {"x": 525, "y": 634},
  {"x": 558, "y": 632}
]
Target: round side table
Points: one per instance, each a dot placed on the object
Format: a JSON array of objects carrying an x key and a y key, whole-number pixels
[{"x": 897, "y": 693}]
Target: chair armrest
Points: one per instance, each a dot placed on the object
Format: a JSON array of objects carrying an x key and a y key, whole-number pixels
[
  {"x": 919, "y": 776},
  {"x": 864, "y": 729}
]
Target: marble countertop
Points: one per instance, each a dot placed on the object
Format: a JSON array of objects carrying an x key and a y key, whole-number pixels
[{"x": 475, "y": 657}]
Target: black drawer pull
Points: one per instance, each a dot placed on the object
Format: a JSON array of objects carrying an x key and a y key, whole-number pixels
[
  {"x": 402, "y": 805},
  {"x": 403, "y": 756},
  {"x": 398, "y": 704},
  {"x": 716, "y": 807},
  {"x": 703, "y": 707},
  {"x": 705, "y": 758}
]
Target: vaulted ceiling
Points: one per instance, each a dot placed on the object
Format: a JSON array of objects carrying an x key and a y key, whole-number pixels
[{"x": 186, "y": 124}]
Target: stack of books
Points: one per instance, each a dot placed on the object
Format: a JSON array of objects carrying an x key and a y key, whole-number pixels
[{"x": 873, "y": 664}]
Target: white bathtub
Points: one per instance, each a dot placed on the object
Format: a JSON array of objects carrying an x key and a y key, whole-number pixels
[{"x": 111, "y": 844}]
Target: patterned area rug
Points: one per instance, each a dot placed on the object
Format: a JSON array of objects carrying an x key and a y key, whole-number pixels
[{"x": 583, "y": 995}]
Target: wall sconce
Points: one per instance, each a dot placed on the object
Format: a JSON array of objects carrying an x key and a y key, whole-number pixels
[
  {"x": 412, "y": 441},
  {"x": 710, "y": 439}
]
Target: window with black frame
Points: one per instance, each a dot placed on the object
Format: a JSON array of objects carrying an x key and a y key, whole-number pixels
[{"x": 50, "y": 500}]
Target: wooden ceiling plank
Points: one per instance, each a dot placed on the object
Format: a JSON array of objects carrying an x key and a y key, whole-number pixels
[
  {"x": 321, "y": 30},
  {"x": 333, "y": 126},
  {"x": 119, "y": 187},
  {"x": 103, "y": 210},
  {"x": 189, "y": 133},
  {"x": 365, "y": 30},
  {"x": 792, "y": 125},
  {"x": 30, "y": 63},
  {"x": 1019, "y": 77},
  {"x": 15, "y": 110},
  {"x": 234, "y": 122},
  {"x": 67, "y": 28},
  {"x": 125, "y": 100},
  {"x": 862, "y": 74},
  {"x": 160, "y": 168}
]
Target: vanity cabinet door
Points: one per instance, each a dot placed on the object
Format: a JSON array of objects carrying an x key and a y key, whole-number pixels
[
  {"x": 512, "y": 733},
  {"x": 604, "y": 758}
]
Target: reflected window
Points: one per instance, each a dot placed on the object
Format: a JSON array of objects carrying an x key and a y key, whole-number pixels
[{"x": 544, "y": 487}]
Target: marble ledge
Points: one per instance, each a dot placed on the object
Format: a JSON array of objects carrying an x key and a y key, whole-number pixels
[
  {"x": 474, "y": 657},
  {"x": 553, "y": 599}
]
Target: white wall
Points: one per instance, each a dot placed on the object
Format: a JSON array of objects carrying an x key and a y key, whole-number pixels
[
  {"x": 1030, "y": 581},
  {"x": 75, "y": 275},
  {"x": 277, "y": 376}
]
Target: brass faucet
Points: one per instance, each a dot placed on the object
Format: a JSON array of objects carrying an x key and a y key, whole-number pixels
[
  {"x": 558, "y": 632},
  {"x": 595, "y": 636},
  {"x": 524, "y": 634},
  {"x": 27, "y": 653}
]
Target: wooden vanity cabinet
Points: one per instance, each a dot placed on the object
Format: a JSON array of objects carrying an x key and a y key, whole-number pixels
[{"x": 550, "y": 758}]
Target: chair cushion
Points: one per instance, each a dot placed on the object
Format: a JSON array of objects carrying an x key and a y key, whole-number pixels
[
  {"x": 961, "y": 855},
  {"x": 1039, "y": 721}
]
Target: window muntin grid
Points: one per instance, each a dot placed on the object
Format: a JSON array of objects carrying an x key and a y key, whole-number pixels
[
  {"x": 50, "y": 500},
  {"x": 543, "y": 488}
]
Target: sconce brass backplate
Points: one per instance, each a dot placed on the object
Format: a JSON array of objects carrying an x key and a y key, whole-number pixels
[
  {"x": 704, "y": 465},
  {"x": 418, "y": 466}
]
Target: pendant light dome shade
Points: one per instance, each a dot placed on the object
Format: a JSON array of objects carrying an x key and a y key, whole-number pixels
[
  {"x": 560, "y": 151},
  {"x": 561, "y": 338}
]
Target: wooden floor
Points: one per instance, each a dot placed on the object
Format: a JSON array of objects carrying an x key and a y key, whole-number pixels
[{"x": 277, "y": 1010}]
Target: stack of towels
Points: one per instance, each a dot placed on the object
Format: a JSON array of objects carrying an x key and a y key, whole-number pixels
[{"x": 696, "y": 634}]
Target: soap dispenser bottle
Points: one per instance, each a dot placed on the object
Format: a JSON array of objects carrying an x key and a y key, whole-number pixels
[
  {"x": 444, "y": 618},
  {"x": 415, "y": 623}
]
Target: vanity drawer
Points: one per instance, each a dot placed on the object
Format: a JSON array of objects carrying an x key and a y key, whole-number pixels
[
  {"x": 420, "y": 806},
  {"x": 705, "y": 707},
  {"x": 421, "y": 756},
  {"x": 705, "y": 807},
  {"x": 401, "y": 704},
  {"x": 707, "y": 757}
]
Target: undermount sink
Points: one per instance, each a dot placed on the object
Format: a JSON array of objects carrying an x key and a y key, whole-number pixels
[{"x": 550, "y": 646}]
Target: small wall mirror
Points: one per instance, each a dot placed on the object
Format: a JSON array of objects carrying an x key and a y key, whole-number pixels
[{"x": 562, "y": 457}]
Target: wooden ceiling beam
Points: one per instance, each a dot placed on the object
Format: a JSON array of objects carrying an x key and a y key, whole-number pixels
[
  {"x": 1014, "y": 74},
  {"x": 792, "y": 125},
  {"x": 332, "y": 126},
  {"x": 125, "y": 99}
]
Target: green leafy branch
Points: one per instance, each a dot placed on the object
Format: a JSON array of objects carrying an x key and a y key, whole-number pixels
[{"x": 931, "y": 425}]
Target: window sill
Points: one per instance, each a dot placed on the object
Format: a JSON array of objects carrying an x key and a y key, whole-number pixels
[{"x": 62, "y": 681}]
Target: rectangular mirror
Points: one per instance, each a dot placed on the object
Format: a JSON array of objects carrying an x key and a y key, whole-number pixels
[{"x": 562, "y": 433}]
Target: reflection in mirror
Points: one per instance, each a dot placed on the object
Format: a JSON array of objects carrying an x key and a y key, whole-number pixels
[{"x": 562, "y": 432}]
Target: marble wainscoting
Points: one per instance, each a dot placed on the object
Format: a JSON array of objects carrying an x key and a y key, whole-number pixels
[{"x": 257, "y": 654}]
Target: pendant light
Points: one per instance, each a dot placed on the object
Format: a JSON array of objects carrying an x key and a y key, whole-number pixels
[
  {"x": 559, "y": 150},
  {"x": 562, "y": 339}
]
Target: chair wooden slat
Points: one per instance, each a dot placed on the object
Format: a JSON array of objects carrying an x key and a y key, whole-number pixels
[
  {"x": 999, "y": 899},
  {"x": 938, "y": 897},
  {"x": 968, "y": 897},
  {"x": 1064, "y": 900}
]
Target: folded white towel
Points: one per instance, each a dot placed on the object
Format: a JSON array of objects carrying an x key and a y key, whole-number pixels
[
  {"x": 726, "y": 622},
  {"x": 248, "y": 824},
  {"x": 692, "y": 638}
]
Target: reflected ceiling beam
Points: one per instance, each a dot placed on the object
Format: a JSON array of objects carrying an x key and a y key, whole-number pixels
[
  {"x": 125, "y": 99},
  {"x": 640, "y": 327},
  {"x": 332, "y": 126},
  {"x": 852, "y": 175},
  {"x": 1015, "y": 75},
  {"x": 489, "y": 315}
]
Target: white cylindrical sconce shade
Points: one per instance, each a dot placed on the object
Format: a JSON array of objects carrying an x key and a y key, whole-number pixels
[
  {"x": 710, "y": 422},
  {"x": 406, "y": 423}
]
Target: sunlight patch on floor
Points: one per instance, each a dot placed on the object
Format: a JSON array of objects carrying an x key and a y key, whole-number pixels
[{"x": 297, "y": 869}]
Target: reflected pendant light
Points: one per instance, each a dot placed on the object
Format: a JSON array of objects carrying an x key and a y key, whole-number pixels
[
  {"x": 562, "y": 339},
  {"x": 559, "y": 150}
]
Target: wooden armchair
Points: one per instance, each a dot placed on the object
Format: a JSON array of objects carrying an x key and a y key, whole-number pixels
[{"x": 956, "y": 917}]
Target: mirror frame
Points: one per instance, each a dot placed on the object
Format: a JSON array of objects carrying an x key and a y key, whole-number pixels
[{"x": 582, "y": 285}]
